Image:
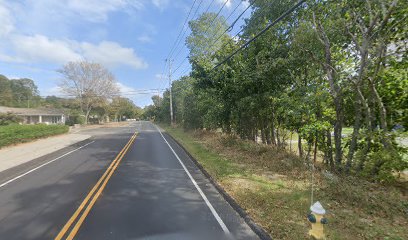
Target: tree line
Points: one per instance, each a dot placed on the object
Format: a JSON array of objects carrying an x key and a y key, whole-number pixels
[
  {"x": 327, "y": 66},
  {"x": 18, "y": 92},
  {"x": 89, "y": 91}
]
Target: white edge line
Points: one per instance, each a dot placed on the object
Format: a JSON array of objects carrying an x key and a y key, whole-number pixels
[
  {"x": 213, "y": 211},
  {"x": 42, "y": 165}
]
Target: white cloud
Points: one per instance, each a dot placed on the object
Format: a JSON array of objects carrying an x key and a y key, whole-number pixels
[
  {"x": 124, "y": 89},
  {"x": 98, "y": 10},
  {"x": 56, "y": 18},
  {"x": 6, "y": 25},
  {"x": 15, "y": 77},
  {"x": 19, "y": 47},
  {"x": 228, "y": 4},
  {"x": 136, "y": 95},
  {"x": 144, "y": 38},
  {"x": 160, "y": 76},
  {"x": 7, "y": 58},
  {"x": 161, "y": 4},
  {"x": 112, "y": 54},
  {"x": 39, "y": 48}
]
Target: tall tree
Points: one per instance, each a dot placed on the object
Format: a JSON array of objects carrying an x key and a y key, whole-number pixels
[
  {"x": 6, "y": 95},
  {"x": 123, "y": 108},
  {"x": 91, "y": 83},
  {"x": 202, "y": 42}
]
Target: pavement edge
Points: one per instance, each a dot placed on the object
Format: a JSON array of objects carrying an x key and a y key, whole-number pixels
[
  {"x": 262, "y": 234},
  {"x": 33, "y": 163}
]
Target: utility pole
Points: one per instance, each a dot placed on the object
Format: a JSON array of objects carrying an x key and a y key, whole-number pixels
[{"x": 171, "y": 95}]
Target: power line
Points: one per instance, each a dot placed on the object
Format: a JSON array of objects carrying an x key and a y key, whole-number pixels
[
  {"x": 184, "y": 33},
  {"x": 176, "y": 42},
  {"x": 232, "y": 25},
  {"x": 178, "y": 53},
  {"x": 129, "y": 92},
  {"x": 261, "y": 32},
  {"x": 181, "y": 30},
  {"x": 210, "y": 47},
  {"x": 208, "y": 8},
  {"x": 216, "y": 16},
  {"x": 229, "y": 28},
  {"x": 162, "y": 83},
  {"x": 174, "y": 48},
  {"x": 242, "y": 29},
  {"x": 205, "y": 32}
]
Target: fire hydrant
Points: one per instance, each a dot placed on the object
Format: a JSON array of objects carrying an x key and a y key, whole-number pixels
[{"x": 316, "y": 217}]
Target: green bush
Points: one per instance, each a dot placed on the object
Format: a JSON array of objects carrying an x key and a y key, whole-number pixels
[
  {"x": 14, "y": 133},
  {"x": 378, "y": 162},
  {"x": 382, "y": 165},
  {"x": 75, "y": 119},
  {"x": 8, "y": 118}
]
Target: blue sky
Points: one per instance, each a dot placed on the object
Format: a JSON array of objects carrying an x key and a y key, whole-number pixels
[{"x": 129, "y": 37}]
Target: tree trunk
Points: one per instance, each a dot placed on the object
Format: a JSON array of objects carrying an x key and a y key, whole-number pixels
[
  {"x": 356, "y": 130},
  {"x": 369, "y": 126},
  {"x": 300, "y": 145},
  {"x": 335, "y": 90},
  {"x": 383, "y": 115},
  {"x": 88, "y": 111},
  {"x": 329, "y": 149},
  {"x": 268, "y": 135},
  {"x": 309, "y": 149},
  {"x": 338, "y": 129},
  {"x": 315, "y": 149},
  {"x": 273, "y": 138},
  {"x": 290, "y": 145},
  {"x": 263, "y": 135}
]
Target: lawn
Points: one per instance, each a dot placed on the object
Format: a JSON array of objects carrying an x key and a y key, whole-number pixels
[
  {"x": 274, "y": 188},
  {"x": 15, "y": 133}
]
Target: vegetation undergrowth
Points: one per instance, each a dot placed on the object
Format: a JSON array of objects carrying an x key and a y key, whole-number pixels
[
  {"x": 273, "y": 186},
  {"x": 15, "y": 133}
]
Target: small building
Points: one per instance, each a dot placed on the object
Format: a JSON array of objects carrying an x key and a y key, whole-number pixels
[{"x": 37, "y": 115}]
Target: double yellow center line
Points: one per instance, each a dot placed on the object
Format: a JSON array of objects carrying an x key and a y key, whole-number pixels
[{"x": 80, "y": 214}]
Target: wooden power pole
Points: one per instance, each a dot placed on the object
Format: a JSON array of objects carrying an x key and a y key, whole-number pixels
[{"x": 171, "y": 95}]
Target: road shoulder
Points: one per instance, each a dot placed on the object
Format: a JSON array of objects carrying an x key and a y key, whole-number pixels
[
  {"x": 13, "y": 156},
  {"x": 190, "y": 161},
  {"x": 31, "y": 163}
]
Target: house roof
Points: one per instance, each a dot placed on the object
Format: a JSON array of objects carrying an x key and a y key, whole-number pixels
[{"x": 31, "y": 111}]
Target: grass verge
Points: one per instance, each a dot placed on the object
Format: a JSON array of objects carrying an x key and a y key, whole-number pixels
[
  {"x": 273, "y": 187},
  {"x": 13, "y": 134}
]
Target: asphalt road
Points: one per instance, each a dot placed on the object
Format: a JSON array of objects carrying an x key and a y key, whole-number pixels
[{"x": 116, "y": 185}]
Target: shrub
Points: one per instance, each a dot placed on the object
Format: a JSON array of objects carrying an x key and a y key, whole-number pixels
[
  {"x": 9, "y": 118},
  {"x": 75, "y": 119},
  {"x": 14, "y": 133},
  {"x": 378, "y": 162}
]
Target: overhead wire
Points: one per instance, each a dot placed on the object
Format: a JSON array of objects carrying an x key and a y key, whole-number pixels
[
  {"x": 229, "y": 28},
  {"x": 186, "y": 20},
  {"x": 177, "y": 41},
  {"x": 184, "y": 33},
  {"x": 233, "y": 24},
  {"x": 179, "y": 46},
  {"x": 181, "y": 30},
  {"x": 273, "y": 23},
  {"x": 205, "y": 32}
]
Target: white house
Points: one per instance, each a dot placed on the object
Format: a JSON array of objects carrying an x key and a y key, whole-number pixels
[{"x": 37, "y": 115}]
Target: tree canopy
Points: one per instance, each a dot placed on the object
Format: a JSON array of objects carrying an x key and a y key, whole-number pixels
[{"x": 333, "y": 73}]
